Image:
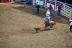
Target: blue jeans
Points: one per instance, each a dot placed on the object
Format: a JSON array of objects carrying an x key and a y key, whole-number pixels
[
  {"x": 49, "y": 21},
  {"x": 37, "y": 10},
  {"x": 51, "y": 12},
  {"x": 58, "y": 12}
]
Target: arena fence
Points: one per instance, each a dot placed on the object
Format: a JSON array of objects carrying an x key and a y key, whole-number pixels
[{"x": 66, "y": 9}]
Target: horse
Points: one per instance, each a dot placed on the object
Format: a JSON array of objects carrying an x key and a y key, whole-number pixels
[
  {"x": 37, "y": 28},
  {"x": 47, "y": 24}
]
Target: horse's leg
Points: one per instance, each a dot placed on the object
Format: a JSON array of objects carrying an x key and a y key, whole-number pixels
[
  {"x": 36, "y": 31},
  {"x": 51, "y": 25},
  {"x": 45, "y": 26}
]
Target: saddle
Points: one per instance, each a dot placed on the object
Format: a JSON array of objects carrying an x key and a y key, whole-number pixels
[{"x": 48, "y": 24}]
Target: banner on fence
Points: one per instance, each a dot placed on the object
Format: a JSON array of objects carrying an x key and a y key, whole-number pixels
[
  {"x": 68, "y": 14},
  {"x": 39, "y": 2}
]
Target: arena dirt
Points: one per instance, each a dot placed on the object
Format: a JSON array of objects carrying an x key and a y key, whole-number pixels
[{"x": 17, "y": 22}]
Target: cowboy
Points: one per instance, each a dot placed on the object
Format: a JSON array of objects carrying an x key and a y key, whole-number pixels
[{"x": 48, "y": 17}]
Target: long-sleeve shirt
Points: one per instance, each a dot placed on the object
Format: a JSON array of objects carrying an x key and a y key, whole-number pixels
[
  {"x": 37, "y": 6},
  {"x": 47, "y": 16},
  {"x": 48, "y": 13},
  {"x": 50, "y": 8},
  {"x": 59, "y": 7}
]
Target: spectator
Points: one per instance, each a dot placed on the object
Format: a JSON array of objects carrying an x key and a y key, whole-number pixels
[
  {"x": 71, "y": 26},
  {"x": 59, "y": 9},
  {"x": 70, "y": 19},
  {"x": 50, "y": 9},
  {"x": 37, "y": 7}
]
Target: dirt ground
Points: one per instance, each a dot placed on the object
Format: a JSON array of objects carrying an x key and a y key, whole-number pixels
[{"x": 17, "y": 22}]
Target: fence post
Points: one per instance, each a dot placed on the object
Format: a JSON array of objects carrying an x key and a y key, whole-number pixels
[
  {"x": 64, "y": 6},
  {"x": 34, "y": 2},
  {"x": 45, "y": 5},
  {"x": 55, "y": 4}
]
